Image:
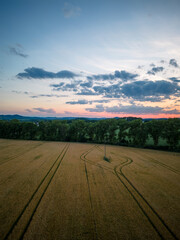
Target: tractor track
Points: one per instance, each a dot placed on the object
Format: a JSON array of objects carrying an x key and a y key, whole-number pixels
[
  {"x": 82, "y": 157},
  {"x": 153, "y": 217},
  {"x": 35, "y": 200},
  {"x": 148, "y": 211},
  {"x": 157, "y": 162}
]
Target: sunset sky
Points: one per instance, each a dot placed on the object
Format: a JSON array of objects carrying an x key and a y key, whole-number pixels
[{"x": 82, "y": 58}]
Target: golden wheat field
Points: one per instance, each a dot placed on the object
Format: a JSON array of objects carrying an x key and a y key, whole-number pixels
[{"x": 56, "y": 190}]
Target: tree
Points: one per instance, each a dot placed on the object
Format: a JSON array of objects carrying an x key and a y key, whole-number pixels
[
  {"x": 155, "y": 128},
  {"x": 123, "y": 126},
  {"x": 171, "y": 132},
  {"x": 138, "y": 132}
]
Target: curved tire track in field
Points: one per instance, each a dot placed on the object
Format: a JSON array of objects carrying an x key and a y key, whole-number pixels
[
  {"x": 20, "y": 154},
  {"x": 156, "y": 161},
  {"x": 84, "y": 158},
  {"x": 148, "y": 211},
  {"x": 153, "y": 217},
  {"x": 49, "y": 175}
]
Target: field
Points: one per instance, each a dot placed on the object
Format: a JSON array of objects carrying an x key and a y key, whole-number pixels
[{"x": 57, "y": 190}]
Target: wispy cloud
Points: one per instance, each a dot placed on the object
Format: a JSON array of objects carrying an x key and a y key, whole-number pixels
[
  {"x": 20, "y": 92},
  {"x": 28, "y": 110},
  {"x": 39, "y": 73},
  {"x": 132, "y": 109},
  {"x": 48, "y": 96},
  {"x": 83, "y": 101},
  {"x": 70, "y": 10},
  {"x": 17, "y": 50},
  {"x": 43, "y": 110}
]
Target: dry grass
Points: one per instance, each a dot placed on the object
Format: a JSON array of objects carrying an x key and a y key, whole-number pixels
[{"x": 54, "y": 191}]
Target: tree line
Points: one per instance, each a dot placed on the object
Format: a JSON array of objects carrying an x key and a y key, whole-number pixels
[{"x": 111, "y": 131}]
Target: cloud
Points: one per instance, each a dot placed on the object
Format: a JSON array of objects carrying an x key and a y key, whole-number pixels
[
  {"x": 99, "y": 101},
  {"x": 28, "y": 110},
  {"x": 173, "y": 63},
  {"x": 69, "y": 10},
  {"x": 132, "y": 109},
  {"x": 125, "y": 75},
  {"x": 111, "y": 91},
  {"x": 20, "y": 92},
  {"x": 98, "y": 108},
  {"x": 117, "y": 74},
  {"x": 78, "y": 102},
  {"x": 42, "y": 74},
  {"x": 66, "y": 87},
  {"x": 155, "y": 70},
  {"x": 87, "y": 102},
  {"x": 141, "y": 89},
  {"x": 87, "y": 92},
  {"x": 48, "y": 95},
  {"x": 49, "y": 110},
  {"x": 17, "y": 50},
  {"x": 174, "y": 79},
  {"x": 88, "y": 84},
  {"x": 138, "y": 90}
]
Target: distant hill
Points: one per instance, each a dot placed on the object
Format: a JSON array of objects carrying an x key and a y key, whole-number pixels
[{"x": 34, "y": 119}]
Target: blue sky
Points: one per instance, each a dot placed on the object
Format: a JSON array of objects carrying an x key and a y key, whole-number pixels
[{"x": 91, "y": 50}]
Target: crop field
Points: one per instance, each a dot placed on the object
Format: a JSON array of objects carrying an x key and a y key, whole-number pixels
[{"x": 58, "y": 190}]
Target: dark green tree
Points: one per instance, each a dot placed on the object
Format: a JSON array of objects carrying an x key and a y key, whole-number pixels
[
  {"x": 155, "y": 128},
  {"x": 171, "y": 132}
]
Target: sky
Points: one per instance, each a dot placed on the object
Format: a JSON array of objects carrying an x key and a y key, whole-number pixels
[{"x": 81, "y": 58}]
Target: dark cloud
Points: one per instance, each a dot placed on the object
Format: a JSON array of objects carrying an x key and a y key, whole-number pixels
[
  {"x": 117, "y": 74},
  {"x": 74, "y": 86},
  {"x": 18, "y": 51},
  {"x": 125, "y": 75},
  {"x": 162, "y": 61},
  {"x": 42, "y": 74},
  {"x": 151, "y": 99},
  {"x": 174, "y": 79},
  {"x": 49, "y": 110},
  {"x": 132, "y": 109},
  {"x": 88, "y": 84},
  {"x": 146, "y": 90},
  {"x": 155, "y": 70},
  {"x": 152, "y": 65},
  {"x": 141, "y": 89},
  {"x": 111, "y": 91},
  {"x": 173, "y": 63},
  {"x": 70, "y": 10}
]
